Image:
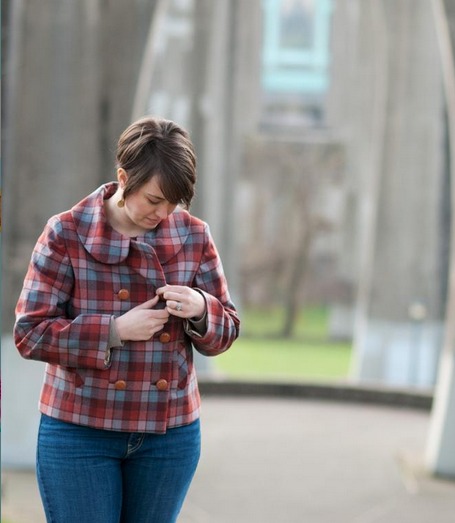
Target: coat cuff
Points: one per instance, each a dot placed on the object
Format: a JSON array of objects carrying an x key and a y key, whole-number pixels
[
  {"x": 113, "y": 341},
  {"x": 196, "y": 327}
]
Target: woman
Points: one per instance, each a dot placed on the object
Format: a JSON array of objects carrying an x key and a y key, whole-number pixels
[{"x": 119, "y": 290}]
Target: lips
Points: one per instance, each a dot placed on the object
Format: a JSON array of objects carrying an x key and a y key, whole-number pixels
[{"x": 152, "y": 223}]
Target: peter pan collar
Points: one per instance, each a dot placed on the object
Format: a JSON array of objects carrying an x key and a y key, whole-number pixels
[{"x": 107, "y": 245}]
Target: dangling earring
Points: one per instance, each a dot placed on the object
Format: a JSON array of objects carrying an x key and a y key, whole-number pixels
[{"x": 121, "y": 203}]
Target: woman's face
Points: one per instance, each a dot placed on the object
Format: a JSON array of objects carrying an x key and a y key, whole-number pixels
[{"x": 147, "y": 206}]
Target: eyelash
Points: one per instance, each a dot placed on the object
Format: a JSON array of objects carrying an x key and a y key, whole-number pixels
[{"x": 157, "y": 203}]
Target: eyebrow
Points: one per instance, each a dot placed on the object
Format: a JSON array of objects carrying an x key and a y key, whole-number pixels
[{"x": 150, "y": 195}]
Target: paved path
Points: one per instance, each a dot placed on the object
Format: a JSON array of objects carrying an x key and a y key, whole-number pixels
[{"x": 268, "y": 460}]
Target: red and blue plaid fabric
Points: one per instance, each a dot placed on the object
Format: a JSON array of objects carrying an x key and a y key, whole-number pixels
[{"x": 71, "y": 290}]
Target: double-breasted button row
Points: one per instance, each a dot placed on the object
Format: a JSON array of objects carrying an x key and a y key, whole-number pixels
[
  {"x": 165, "y": 337},
  {"x": 161, "y": 384},
  {"x": 120, "y": 385},
  {"x": 123, "y": 294}
]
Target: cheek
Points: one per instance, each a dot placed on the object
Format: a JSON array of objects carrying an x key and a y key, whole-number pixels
[
  {"x": 140, "y": 207},
  {"x": 137, "y": 208}
]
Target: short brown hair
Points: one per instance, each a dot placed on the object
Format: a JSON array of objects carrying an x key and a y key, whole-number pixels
[{"x": 158, "y": 147}]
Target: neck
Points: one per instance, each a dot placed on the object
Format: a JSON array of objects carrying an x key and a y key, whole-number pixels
[{"x": 118, "y": 219}]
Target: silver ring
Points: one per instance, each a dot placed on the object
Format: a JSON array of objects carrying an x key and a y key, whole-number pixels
[{"x": 178, "y": 307}]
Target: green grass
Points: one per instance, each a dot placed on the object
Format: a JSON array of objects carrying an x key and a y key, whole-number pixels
[
  {"x": 312, "y": 323},
  {"x": 261, "y": 354}
]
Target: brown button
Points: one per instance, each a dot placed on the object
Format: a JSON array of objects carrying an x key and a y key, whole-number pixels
[
  {"x": 123, "y": 294},
  {"x": 165, "y": 337},
  {"x": 120, "y": 385},
  {"x": 161, "y": 384}
]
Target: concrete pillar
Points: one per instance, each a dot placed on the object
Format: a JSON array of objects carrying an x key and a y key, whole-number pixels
[
  {"x": 440, "y": 455},
  {"x": 231, "y": 111},
  {"x": 356, "y": 108},
  {"x": 401, "y": 291},
  {"x": 440, "y": 451},
  {"x": 71, "y": 69}
]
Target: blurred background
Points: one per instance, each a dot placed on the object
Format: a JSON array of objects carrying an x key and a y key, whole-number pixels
[{"x": 324, "y": 131}]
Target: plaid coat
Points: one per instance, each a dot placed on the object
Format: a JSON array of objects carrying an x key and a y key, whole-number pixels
[{"x": 82, "y": 273}]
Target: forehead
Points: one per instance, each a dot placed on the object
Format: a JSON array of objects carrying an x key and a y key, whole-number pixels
[{"x": 153, "y": 187}]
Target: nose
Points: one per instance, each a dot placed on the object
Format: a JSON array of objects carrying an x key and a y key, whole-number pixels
[{"x": 163, "y": 210}]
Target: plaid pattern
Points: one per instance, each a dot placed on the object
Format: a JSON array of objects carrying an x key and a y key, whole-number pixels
[{"x": 70, "y": 292}]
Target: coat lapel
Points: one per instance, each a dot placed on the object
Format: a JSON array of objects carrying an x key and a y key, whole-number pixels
[
  {"x": 171, "y": 235},
  {"x": 107, "y": 245},
  {"x": 103, "y": 242}
]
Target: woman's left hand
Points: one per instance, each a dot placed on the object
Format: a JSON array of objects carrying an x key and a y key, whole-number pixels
[{"x": 183, "y": 301}]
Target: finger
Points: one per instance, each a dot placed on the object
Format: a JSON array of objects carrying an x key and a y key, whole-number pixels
[
  {"x": 177, "y": 289},
  {"x": 174, "y": 305},
  {"x": 160, "y": 314},
  {"x": 176, "y": 308},
  {"x": 175, "y": 312},
  {"x": 148, "y": 304},
  {"x": 161, "y": 290},
  {"x": 173, "y": 297}
]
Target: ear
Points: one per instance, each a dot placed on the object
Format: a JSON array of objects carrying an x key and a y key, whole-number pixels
[{"x": 122, "y": 177}]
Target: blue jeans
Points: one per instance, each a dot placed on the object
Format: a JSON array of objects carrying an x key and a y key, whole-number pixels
[{"x": 89, "y": 475}]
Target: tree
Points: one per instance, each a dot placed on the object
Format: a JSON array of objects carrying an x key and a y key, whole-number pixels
[{"x": 292, "y": 183}]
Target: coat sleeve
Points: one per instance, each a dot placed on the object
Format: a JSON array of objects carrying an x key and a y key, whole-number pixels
[
  {"x": 43, "y": 331},
  {"x": 222, "y": 319}
]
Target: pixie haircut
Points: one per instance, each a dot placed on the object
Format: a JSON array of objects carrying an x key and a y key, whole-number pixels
[{"x": 156, "y": 147}]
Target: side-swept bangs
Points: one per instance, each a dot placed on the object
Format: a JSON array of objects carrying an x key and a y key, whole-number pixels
[{"x": 157, "y": 147}]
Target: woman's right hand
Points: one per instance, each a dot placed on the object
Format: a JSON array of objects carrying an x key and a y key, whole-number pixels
[{"x": 141, "y": 322}]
